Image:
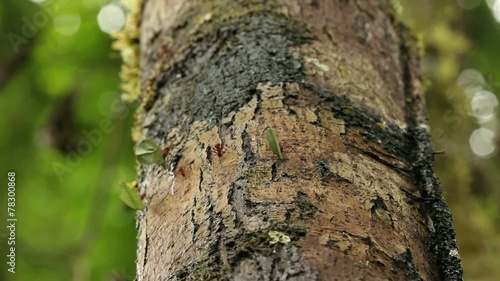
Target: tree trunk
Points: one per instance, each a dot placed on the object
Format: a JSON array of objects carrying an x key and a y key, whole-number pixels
[{"x": 354, "y": 197}]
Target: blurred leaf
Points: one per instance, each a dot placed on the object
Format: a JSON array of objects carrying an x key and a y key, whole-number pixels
[
  {"x": 148, "y": 153},
  {"x": 130, "y": 196}
]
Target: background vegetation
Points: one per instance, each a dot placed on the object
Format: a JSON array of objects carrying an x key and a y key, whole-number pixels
[{"x": 66, "y": 134}]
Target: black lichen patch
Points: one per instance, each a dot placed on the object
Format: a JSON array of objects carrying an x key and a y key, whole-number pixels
[
  {"x": 369, "y": 124},
  {"x": 314, "y": 3},
  {"x": 303, "y": 206},
  {"x": 249, "y": 155},
  {"x": 246, "y": 244},
  {"x": 209, "y": 267},
  {"x": 378, "y": 203},
  {"x": 406, "y": 263},
  {"x": 327, "y": 174},
  {"x": 443, "y": 243},
  {"x": 274, "y": 171},
  {"x": 220, "y": 72},
  {"x": 237, "y": 248}
]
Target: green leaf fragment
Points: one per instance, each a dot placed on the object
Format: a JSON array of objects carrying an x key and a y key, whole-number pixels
[
  {"x": 130, "y": 196},
  {"x": 273, "y": 142},
  {"x": 148, "y": 153}
]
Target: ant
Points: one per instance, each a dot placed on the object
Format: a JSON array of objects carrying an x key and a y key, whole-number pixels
[
  {"x": 143, "y": 196},
  {"x": 287, "y": 147},
  {"x": 165, "y": 151},
  {"x": 219, "y": 149},
  {"x": 163, "y": 51},
  {"x": 182, "y": 171},
  {"x": 166, "y": 50}
]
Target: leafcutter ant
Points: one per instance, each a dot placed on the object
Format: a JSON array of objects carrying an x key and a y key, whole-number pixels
[
  {"x": 219, "y": 149},
  {"x": 182, "y": 171},
  {"x": 165, "y": 151}
]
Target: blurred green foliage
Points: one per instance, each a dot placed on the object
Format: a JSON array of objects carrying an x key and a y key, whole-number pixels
[{"x": 67, "y": 136}]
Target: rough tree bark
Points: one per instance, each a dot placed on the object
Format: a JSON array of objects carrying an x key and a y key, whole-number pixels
[{"x": 355, "y": 197}]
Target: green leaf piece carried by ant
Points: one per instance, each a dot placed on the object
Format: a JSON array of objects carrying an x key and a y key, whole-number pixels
[
  {"x": 273, "y": 142},
  {"x": 148, "y": 153},
  {"x": 130, "y": 196}
]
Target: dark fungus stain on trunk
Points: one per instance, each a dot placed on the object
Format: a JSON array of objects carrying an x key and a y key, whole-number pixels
[{"x": 219, "y": 74}]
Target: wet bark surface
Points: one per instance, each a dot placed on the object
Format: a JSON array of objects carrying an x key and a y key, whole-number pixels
[{"x": 355, "y": 197}]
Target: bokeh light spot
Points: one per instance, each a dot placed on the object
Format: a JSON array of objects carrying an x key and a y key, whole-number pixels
[
  {"x": 67, "y": 24},
  {"x": 471, "y": 81},
  {"x": 484, "y": 106},
  {"x": 111, "y": 18},
  {"x": 482, "y": 142},
  {"x": 468, "y": 4},
  {"x": 496, "y": 10}
]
